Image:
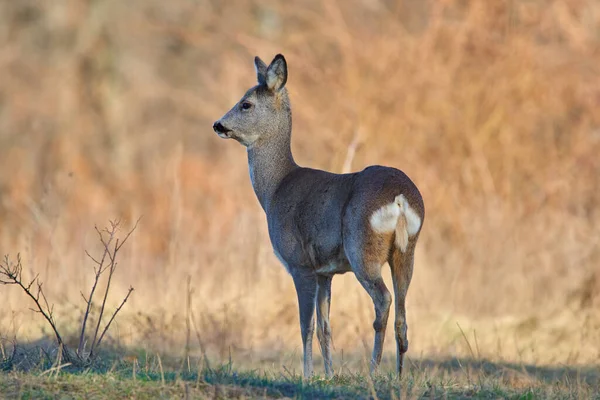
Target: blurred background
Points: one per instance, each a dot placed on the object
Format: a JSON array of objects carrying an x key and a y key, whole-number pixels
[{"x": 492, "y": 108}]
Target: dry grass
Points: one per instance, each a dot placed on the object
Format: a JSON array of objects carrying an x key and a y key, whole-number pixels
[
  {"x": 493, "y": 108},
  {"x": 148, "y": 382}
]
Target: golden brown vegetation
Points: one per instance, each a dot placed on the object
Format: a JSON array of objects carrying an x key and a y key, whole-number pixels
[{"x": 493, "y": 108}]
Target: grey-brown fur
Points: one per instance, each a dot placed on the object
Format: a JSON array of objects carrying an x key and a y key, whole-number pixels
[{"x": 319, "y": 221}]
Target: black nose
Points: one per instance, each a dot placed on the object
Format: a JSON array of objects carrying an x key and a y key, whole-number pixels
[{"x": 219, "y": 128}]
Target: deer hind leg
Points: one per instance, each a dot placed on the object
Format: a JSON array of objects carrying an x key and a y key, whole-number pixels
[
  {"x": 370, "y": 278},
  {"x": 306, "y": 289},
  {"x": 323, "y": 327},
  {"x": 401, "y": 265}
]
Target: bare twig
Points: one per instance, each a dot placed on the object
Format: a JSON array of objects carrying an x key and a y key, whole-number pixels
[
  {"x": 12, "y": 273},
  {"x": 13, "y": 276},
  {"x": 113, "y": 316},
  {"x": 111, "y": 270},
  {"x": 112, "y": 266},
  {"x": 129, "y": 233},
  {"x": 98, "y": 273}
]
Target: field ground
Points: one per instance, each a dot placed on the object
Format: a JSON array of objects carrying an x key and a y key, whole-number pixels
[{"x": 141, "y": 375}]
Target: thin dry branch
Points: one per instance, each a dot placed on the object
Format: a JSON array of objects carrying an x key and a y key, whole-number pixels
[
  {"x": 129, "y": 233},
  {"x": 113, "y": 316},
  {"x": 98, "y": 273},
  {"x": 13, "y": 276},
  {"x": 111, "y": 270},
  {"x": 112, "y": 266}
]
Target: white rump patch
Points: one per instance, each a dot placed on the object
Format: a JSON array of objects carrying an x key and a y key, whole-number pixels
[
  {"x": 398, "y": 216},
  {"x": 384, "y": 220}
]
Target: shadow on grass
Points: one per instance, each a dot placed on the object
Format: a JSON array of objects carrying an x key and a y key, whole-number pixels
[
  {"x": 549, "y": 374},
  {"x": 430, "y": 378}
]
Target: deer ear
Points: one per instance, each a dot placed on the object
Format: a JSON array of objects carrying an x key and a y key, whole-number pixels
[
  {"x": 277, "y": 74},
  {"x": 261, "y": 70}
]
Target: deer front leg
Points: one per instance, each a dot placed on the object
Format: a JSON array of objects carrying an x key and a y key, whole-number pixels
[
  {"x": 323, "y": 327},
  {"x": 306, "y": 288}
]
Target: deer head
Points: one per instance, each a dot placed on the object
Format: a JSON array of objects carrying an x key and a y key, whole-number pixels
[{"x": 264, "y": 111}]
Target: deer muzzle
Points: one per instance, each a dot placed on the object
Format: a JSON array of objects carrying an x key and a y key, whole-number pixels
[{"x": 221, "y": 130}]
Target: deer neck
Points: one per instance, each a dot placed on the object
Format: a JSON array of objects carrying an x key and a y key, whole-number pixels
[{"x": 269, "y": 162}]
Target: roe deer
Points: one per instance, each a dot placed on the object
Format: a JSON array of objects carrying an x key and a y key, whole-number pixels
[{"x": 321, "y": 223}]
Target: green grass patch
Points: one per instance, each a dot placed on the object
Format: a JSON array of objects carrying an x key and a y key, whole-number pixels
[{"x": 124, "y": 380}]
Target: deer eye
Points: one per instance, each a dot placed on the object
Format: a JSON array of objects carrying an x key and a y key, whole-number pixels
[{"x": 246, "y": 105}]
